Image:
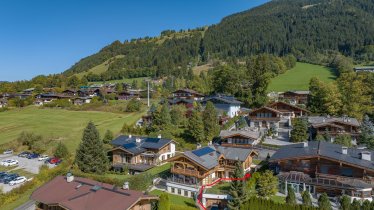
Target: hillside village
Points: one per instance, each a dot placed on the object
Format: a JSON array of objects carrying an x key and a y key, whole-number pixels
[{"x": 187, "y": 120}]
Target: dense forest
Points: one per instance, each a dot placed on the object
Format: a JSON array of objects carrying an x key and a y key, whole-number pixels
[{"x": 311, "y": 30}]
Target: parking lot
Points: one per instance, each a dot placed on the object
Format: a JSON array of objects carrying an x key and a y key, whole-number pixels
[{"x": 30, "y": 166}]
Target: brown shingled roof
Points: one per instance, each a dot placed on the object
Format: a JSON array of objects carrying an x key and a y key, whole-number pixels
[{"x": 81, "y": 194}]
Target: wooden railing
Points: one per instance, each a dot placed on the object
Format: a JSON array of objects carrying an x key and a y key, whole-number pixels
[
  {"x": 265, "y": 118},
  {"x": 185, "y": 172}
]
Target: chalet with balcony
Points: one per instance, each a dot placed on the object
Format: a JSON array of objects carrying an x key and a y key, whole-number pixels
[
  {"x": 193, "y": 169},
  {"x": 245, "y": 138},
  {"x": 225, "y": 104},
  {"x": 140, "y": 153},
  {"x": 364, "y": 69},
  {"x": 333, "y": 127},
  {"x": 264, "y": 117},
  {"x": 318, "y": 167},
  {"x": 44, "y": 98},
  {"x": 127, "y": 95},
  {"x": 76, "y": 193},
  {"x": 82, "y": 100},
  {"x": 70, "y": 92},
  {"x": 187, "y": 94},
  {"x": 288, "y": 110},
  {"x": 294, "y": 97}
]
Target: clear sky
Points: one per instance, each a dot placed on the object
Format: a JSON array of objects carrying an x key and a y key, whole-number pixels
[{"x": 48, "y": 36}]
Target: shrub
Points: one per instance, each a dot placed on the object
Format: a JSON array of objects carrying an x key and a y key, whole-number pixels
[{"x": 134, "y": 105}]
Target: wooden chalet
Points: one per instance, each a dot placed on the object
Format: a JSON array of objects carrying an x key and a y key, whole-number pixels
[
  {"x": 240, "y": 138},
  {"x": 288, "y": 110},
  {"x": 264, "y": 117},
  {"x": 205, "y": 165},
  {"x": 140, "y": 153},
  {"x": 294, "y": 97},
  {"x": 318, "y": 167},
  {"x": 187, "y": 94},
  {"x": 70, "y": 92},
  {"x": 76, "y": 193},
  {"x": 333, "y": 127}
]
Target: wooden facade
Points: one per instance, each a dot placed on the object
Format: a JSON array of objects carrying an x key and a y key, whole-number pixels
[
  {"x": 288, "y": 109},
  {"x": 295, "y": 97},
  {"x": 188, "y": 94},
  {"x": 238, "y": 140},
  {"x": 264, "y": 117}
]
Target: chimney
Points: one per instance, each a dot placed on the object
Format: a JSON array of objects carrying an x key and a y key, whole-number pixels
[
  {"x": 126, "y": 186},
  {"x": 366, "y": 155},
  {"x": 344, "y": 150},
  {"x": 305, "y": 144},
  {"x": 159, "y": 136},
  {"x": 69, "y": 177},
  {"x": 138, "y": 140}
]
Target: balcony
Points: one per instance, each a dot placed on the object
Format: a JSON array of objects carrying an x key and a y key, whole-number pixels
[
  {"x": 255, "y": 118},
  {"x": 186, "y": 172}
]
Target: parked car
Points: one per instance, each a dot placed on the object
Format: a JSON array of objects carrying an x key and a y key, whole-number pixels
[
  {"x": 43, "y": 157},
  {"x": 18, "y": 180},
  {"x": 9, "y": 162},
  {"x": 53, "y": 160},
  {"x": 8, "y": 152},
  {"x": 32, "y": 155},
  {"x": 10, "y": 178},
  {"x": 24, "y": 154}
]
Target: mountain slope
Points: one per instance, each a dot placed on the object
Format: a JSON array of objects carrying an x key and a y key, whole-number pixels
[{"x": 305, "y": 28}]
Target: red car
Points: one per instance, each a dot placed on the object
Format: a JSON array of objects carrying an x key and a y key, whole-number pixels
[{"x": 54, "y": 160}]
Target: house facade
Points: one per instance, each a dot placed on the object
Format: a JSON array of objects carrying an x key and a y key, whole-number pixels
[
  {"x": 319, "y": 167},
  {"x": 69, "y": 193},
  {"x": 294, "y": 97},
  {"x": 333, "y": 126},
  {"x": 187, "y": 94},
  {"x": 225, "y": 104},
  {"x": 141, "y": 153},
  {"x": 202, "y": 166},
  {"x": 245, "y": 138}
]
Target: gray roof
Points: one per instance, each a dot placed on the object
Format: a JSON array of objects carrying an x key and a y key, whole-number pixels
[
  {"x": 208, "y": 156},
  {"x": 248, "y": 133},
  {"x": 223, "y": 99},
  {"x": 131, "y": 144},
  {"x": 315, "y": 120},
  {"x": 327, "y": 150}
]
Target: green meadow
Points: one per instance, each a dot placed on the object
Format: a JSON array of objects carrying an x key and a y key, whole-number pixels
[{"x": 298, "y": 77}]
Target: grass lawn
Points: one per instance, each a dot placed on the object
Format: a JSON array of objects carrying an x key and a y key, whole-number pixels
[
  {"x": 219, "y": 189},
  {"x": 176, "y": 199},
  {"x": 127, "y": 80},
  {"x": 298, "y": 78},
  {"x": 23, "y": 199},
  {"x": 278, "y": 199},
  {"x": 99, "y": 69},
  {"x": 59, "y": 124}
]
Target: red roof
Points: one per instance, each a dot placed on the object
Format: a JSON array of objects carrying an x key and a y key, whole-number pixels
[{"x": 81, "y": 194}]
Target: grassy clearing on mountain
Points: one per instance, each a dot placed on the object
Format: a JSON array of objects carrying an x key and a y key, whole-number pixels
[
  {"x": 59, "y": 124},
  {"x": 298, "y": 77},
  {"x": 99, "y": 69}
]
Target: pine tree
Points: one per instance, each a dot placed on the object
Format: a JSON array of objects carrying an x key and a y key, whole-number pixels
[
  {"x": 210, "y": 120},
  {"x": 355, "y": 205},
  {"x": 164, "y": 202},
  {"x": 367, "y": 132},
  {"x": 196, "y": 126},
  {"x": 237, "y": 188},
  {"x": 299, "y": 131},
  {"x": 61, "y": 151},
  {"x": 307, "y": 200},
  {"x": 108, "y": 137},
  {"x": 366, "y": 205},
  {"x": 91, "y": 156},
  {"x": 345, "y": 203},
  {"x": 324, "y": 202},
  {"x": 267, "y": 184},
  {"x": 291, "y": 197}
]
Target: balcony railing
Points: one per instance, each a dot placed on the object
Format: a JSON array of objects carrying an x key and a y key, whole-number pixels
[
  {"x": 185, "y": 172},
  {"x": 264, "y": 118}
]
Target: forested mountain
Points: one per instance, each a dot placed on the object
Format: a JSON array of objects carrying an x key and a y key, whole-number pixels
[{"x": 309, "y": 29}]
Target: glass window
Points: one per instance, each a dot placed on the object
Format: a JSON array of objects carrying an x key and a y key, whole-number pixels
[
  {"x": 179, "y": 192},
  {"x": 186, "y": 193}
]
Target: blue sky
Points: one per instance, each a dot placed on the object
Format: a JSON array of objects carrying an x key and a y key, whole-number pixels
[{"x": 48, "y": 36}]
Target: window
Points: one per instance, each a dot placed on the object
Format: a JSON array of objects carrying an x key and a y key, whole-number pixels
[
  {"x": 172, "y": 190},
  {"x": 179, "y": 192},
  {"x": 186, "y": 193}
]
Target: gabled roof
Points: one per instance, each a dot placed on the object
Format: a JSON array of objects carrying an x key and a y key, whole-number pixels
[
  {"x": 207, "y": 157},
  {"x": 326, "y": 150},
  {"x": 245, "y": 133},
  {"x": 315, "y": 120},
  {"x": 267, "y": 108},
  {"x": 84, "y": 193},
  {"x": 130, "y": 143},
  {"x": 222, "y": 99},
  {"x": 186, "y": 90},
  {"x": 287, "y": 104}
]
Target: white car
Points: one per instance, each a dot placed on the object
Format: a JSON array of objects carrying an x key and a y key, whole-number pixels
[
  {"x": 9, "y": 162},
  {"x": 43, "y": 157},
  {"x": 18, "y": 180}
]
